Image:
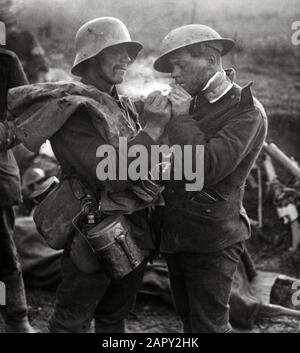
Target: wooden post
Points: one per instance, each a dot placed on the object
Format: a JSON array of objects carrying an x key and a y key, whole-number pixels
[{"x": 282, "y": 158}]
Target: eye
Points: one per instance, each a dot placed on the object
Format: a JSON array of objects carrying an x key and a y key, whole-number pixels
[
  {"x": 182, "y": 65},
  {"x": 116, "y": 51},
  {"x": 179, "y": 65}
]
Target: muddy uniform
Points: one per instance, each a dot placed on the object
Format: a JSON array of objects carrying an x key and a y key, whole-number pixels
[
  {"x": 86, "y": 291},
  {"x": 203, "y": 233},
  {"x": 11, "y": 75}
]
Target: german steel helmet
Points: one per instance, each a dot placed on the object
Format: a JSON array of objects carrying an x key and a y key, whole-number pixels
[
  {"x": 96, "y": 35},
  {"x": 189, "y": 35}
]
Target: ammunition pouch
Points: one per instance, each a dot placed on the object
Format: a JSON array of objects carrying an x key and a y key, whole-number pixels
[{"x": 55, "y": 214}]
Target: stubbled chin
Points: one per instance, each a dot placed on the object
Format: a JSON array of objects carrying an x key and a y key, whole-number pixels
[{"x": 119, "y": 79}]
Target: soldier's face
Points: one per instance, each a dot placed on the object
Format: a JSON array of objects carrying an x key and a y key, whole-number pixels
[
  {"x": 190, "y": 72},
  {"x": 114, "y": 62}
]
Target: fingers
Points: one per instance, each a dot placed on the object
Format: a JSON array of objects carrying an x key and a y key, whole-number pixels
[
  {"x": 179, "y": 96},
  {"x": 179, "y": 89},
  {"x": 160, "y": 102},
  {"x": 179, "y": 99},
  {"x": 179, "y": 93},
  {"x": 168, "y": 108},
  {"x": 151, "y": 97},
  {"x": 175, "y": 94},
  {"x": 156, "y": 100}
]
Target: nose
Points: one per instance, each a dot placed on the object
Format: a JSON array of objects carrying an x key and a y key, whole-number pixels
[
  {"x": 125, "y": 58},
  {"x": 175, "y": 72}
]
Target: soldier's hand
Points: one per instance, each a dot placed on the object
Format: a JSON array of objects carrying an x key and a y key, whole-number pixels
[
  {"x": 157, "y": 109},
  {"x": 180, "y": 100},
  {"x": 157, "y": 112}
]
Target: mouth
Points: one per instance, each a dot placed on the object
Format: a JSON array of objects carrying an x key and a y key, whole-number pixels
[{"x": 120, "y": 68}]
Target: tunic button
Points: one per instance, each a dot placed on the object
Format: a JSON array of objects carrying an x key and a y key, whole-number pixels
[{"x": 208, "y": 210}]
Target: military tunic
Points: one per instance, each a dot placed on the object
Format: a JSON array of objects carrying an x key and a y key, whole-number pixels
[
  {"x": 203, "y": 232},
  {"x": 232, "y": 131}
]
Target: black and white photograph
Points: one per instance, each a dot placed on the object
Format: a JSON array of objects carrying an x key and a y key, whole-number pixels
[{"x": 149, "y": 169}]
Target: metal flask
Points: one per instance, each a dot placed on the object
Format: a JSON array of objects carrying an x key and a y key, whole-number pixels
[{"x": 113, "y": 245}]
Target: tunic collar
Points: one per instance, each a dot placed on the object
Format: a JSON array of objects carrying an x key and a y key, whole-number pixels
[{"x": 217, "y": 86}]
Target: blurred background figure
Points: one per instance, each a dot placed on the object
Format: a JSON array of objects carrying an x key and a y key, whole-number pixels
[
  {"x": 15, "y": 312},
  {"x": 26, "y": 45}
]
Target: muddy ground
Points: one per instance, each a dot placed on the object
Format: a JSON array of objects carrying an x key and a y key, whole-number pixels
[{"x": 149, "y": 316}]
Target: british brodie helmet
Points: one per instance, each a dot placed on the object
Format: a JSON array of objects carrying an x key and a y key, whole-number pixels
[
  {"x": 98, "y": 34},
  {"x": 190, "y": 35}
]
